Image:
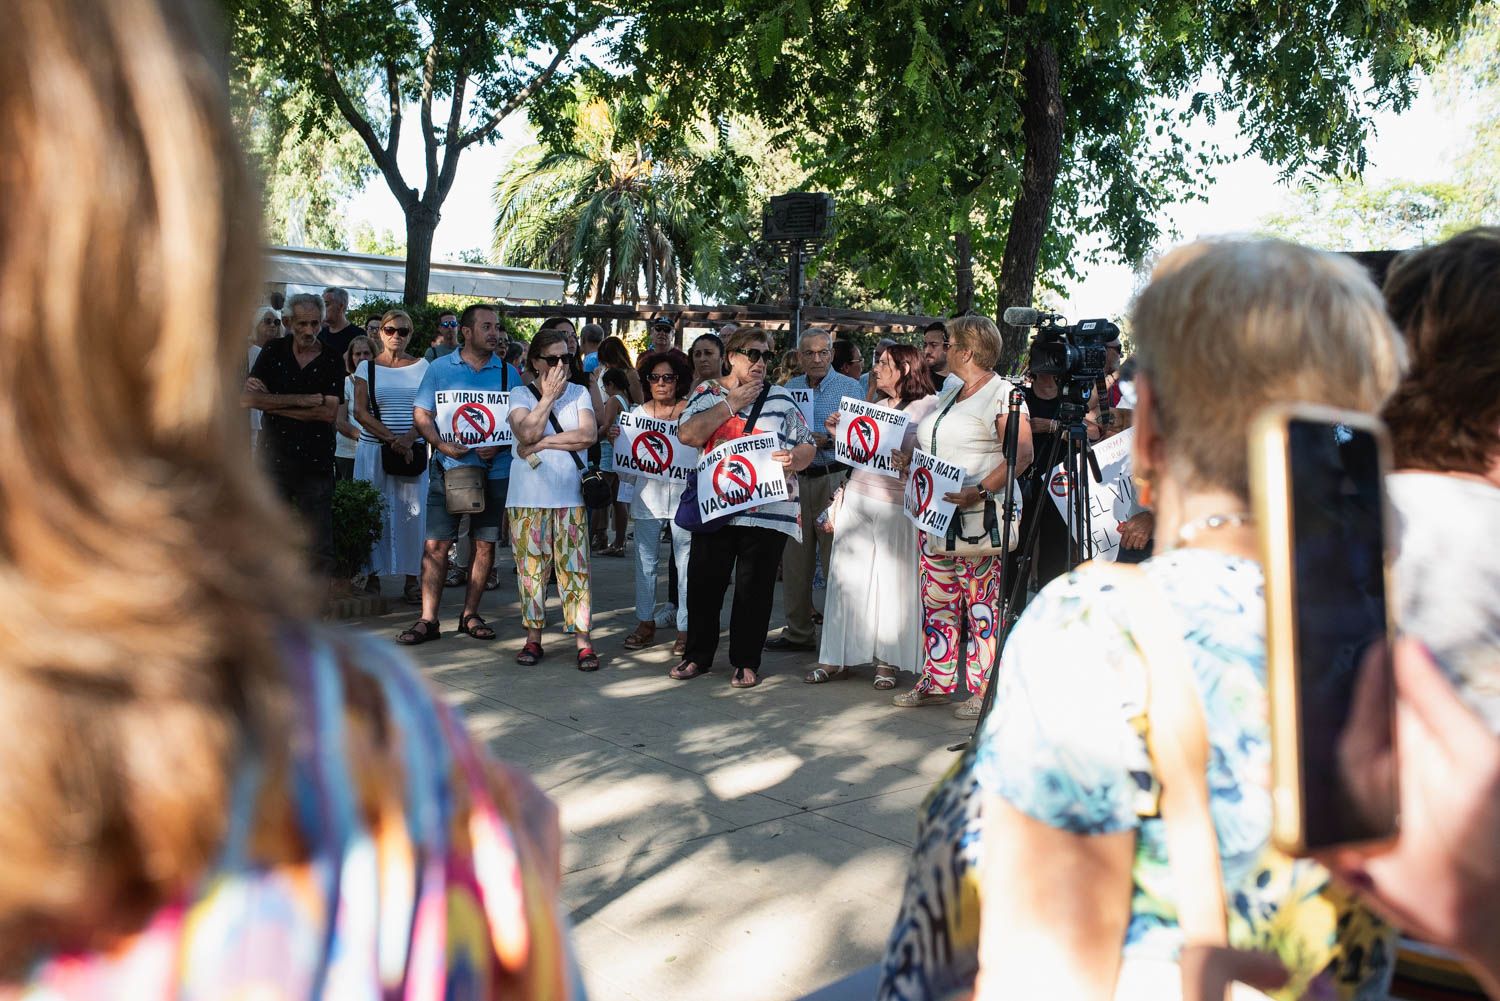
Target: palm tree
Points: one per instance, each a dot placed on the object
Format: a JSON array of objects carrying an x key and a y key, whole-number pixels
[{"x": 619, "y": 216}]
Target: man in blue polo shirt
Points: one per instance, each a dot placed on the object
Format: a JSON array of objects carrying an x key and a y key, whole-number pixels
[{"x": 478, "y": 365}]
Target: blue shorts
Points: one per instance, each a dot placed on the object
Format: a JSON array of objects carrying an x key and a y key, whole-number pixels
[{"x": 483, "y": 527}]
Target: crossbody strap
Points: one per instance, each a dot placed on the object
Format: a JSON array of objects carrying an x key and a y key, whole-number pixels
[
  {"x": 760, "y": 403},
  {"x": 374, "y": 407},
  {"x": 1177, "y": 741},
  {"x": 556, "y": 426}
]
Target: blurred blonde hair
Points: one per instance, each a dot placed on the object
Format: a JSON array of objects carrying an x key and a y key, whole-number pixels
[
  {"x": 977, "y": 334},
  {"x": 144, "y": 563},
  {"x": 1228, "y": 326}
]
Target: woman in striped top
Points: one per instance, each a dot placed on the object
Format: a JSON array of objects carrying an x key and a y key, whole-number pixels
[{"x": 389, "y": 421}]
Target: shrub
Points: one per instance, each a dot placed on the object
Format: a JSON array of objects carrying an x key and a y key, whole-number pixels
[
  {"x": 357, "y": 512},
  {"x": 425, "y": 317}
]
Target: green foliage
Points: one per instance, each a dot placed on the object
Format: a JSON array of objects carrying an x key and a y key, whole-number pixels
[
  {"x": 357, "y": 526},
  {"x": 1349, "y": 215},
  {"x": 425, "y": 316},
  {"x": 386, "y": 243}
]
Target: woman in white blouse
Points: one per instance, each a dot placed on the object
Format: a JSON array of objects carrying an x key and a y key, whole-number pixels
[
  {"x": 967, "y": 428},
  {"x": 387, "y": 420},
  {"x": 553, "y": 420},
  {"x": 873, "y": 612},
  {"x": 667, "y": 379}
]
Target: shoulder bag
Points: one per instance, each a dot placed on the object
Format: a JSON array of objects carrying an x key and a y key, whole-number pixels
[
  {"x": 975, "y": 531},
  {"x": 687, "y": 508},
  {"x": 597, "y": 494},
  {"x": 392, "y": 461}
]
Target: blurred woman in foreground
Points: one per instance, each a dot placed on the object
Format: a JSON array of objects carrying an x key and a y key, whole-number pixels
[
  {"x": 1050, "y": 829},
  {"x": 205, "y": 793}
]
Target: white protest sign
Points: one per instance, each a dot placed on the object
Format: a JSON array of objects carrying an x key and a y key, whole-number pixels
[
  {"x": 866, "y": 435},
  {"x": 804, "y": 398},
  {"x": 649, "y": 447},
  {"x": 740, "y": 474},
  {"x": 1110, "y": 501},
  {"x": 473, "y": 418},
  {"x": 931, "y": 478}
]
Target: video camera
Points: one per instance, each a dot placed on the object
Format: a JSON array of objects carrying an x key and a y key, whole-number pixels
[{"x": 1075, "y": 354}]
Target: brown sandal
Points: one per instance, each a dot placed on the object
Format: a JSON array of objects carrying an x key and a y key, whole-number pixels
[
  {"x": 739, "y": 679},
  {"x": 686, "y": 671},
  {"x": 420, "y": 631},
  {"x": 679, "y": 646},
  {"x": 644, "y": 636}
]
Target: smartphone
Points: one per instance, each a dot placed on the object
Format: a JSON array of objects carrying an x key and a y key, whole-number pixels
[{"x": 1318, "y": 489}]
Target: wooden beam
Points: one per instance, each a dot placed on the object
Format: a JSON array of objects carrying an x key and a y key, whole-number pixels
[{"x": 776, "y": 317}]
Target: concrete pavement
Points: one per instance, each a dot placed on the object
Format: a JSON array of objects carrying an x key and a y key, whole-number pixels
[{"x": 720, "y": 844}]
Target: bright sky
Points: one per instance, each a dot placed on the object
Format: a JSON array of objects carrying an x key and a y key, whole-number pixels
[{"x": 1417, "y": 145}]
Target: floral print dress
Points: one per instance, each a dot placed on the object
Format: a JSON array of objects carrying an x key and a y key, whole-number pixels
[{"x": 1065, "y": 745}]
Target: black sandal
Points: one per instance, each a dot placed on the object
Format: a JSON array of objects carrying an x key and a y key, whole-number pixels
[
  {"x": 588, "y": 660},
  {"x": 413, "y": 636},
  {"x": 479, "y": 632},
  {"x": 530, "y": 654}
]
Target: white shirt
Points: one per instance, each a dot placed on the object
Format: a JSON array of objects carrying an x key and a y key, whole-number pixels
[
  {"x": 344, "y": 447},
  {"x": 554, "y": 483},
  {"x": 966, "y": 428}
]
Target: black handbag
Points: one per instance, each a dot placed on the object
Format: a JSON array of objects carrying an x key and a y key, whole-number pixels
[
  {"x": 392, "y": 461},
  {"x": 597, "y": 493}
]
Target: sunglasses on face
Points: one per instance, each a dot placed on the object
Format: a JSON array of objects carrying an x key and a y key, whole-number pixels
[
  {"x": 756, "y": 355},
  {"x": 393, "y": 331},
  {"x": 448, "y": 324},
  {"x": 660, "y": 377},
  {"x": 274, "y": 321},
  {"x": 566, "y": 359}
]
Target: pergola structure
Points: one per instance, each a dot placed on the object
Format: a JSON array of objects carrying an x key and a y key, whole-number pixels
[{"x": 774, "y": 318}]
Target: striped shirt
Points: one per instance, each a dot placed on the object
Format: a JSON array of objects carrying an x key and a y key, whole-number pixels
[
  {"x": 829, "y": 393},
  {"x": 395, "y": 392},
  {"x": 780, "y": 414}
]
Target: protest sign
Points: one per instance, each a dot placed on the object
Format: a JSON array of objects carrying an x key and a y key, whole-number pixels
[
  {"x": 473, "y": 418},
  {"x": 1110, "y": 501},
  {"x": 740, "y": 474},
  {"x": 804, "y": 398},
  {"x": 930, "y": 480},
  {"x": 649, "y": 447},
  {"x": 866, "y": 435}
]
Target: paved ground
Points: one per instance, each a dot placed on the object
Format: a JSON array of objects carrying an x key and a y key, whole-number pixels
[{"x": 721, "y": 844}]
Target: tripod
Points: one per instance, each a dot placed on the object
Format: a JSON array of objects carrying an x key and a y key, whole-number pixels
[{"x": 1071, "y": 447}]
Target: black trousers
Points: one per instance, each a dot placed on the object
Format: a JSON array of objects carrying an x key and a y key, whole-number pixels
[
  {"x": 311, "y": 494},
  {"x": 752, "y": 555}
]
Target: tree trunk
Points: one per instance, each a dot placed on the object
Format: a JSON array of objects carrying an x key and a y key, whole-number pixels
[
  {"x": 963, "y": 252},
  {"x": 421, "y": 225},
  {"x": 1042, "y": 126}
]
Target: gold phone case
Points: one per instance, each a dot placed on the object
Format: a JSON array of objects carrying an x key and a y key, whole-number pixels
[{"x": 1270, "y": 495}]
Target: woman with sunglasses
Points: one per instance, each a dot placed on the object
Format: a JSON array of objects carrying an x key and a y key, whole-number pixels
[
  {"x": 667, "y": 378},
  {"x": 748, "y": 543},
  {"x": 397, "y": 375},
  {"x": 265, "y": 327},
  {"x": 549, "y": 526}
]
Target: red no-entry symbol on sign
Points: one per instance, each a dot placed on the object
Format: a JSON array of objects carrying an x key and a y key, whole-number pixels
[
  {"x": 1060, "y": 484},
  {"x": 473, "y": 423},
  {"x": 652, "y": 451},
  {"x": 863, "y": 438},
  {"x": 734, "y": 479},
  {"x": 921, "y": 485}
]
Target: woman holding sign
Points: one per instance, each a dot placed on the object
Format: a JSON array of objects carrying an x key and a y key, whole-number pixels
[
  {"x": 873, "y": 613},
  {"x": 747, "y": 543},
  {"x": 386, "y": 418},
  {"x": 667, "y": 378},
  {"x": 966, "y": 429}
]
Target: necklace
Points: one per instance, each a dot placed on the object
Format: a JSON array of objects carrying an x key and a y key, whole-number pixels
[{"x": 1187, "y": 533}]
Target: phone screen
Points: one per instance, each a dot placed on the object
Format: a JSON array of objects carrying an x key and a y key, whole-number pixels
[{"x": 1345, "y": 687}]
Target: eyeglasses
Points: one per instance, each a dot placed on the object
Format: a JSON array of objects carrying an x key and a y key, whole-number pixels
[
  {"x": 825, "y": 353},
  {"x": 660, "y": 377},
  {"x": 448, "y": 324},
  {"x": 756, "y": 355},
  {"x": 566, "y": 359},
  {"x": 273, "y": 320},
  {"x": 403, "y": 331}
]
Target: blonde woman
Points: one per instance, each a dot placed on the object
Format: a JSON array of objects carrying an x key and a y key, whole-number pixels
[
  {"x": 197, "y": 773},
  {"x": 1052, "y": 818},
  {"x": 386, "y": 419},
  {"x": 265, "y": 326}
]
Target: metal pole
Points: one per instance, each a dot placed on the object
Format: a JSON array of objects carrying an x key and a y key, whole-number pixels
[{"x": 796, "y": 296}]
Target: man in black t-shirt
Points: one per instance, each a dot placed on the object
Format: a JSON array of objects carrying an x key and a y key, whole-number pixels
[
  {"x": 337, "y": 331},
  {"x": 298, "y": 384}
]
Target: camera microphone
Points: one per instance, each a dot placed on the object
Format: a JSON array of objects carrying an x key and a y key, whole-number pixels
[{"x": 1021, "y": 316}]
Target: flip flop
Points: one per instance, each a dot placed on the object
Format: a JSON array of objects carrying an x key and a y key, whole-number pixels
[
  {"x": 738, "y": 681},
  {"x": 691, "y": 671}
]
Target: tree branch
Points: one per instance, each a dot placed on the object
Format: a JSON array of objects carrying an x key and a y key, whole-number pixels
[
  {"x": 451, "y": 150},
  {"x": 429, "y": 136},
  {"x": 524, "y": 94},
  {"x": 384, "y": 157},
  {"x": 393, "y": 94}
]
